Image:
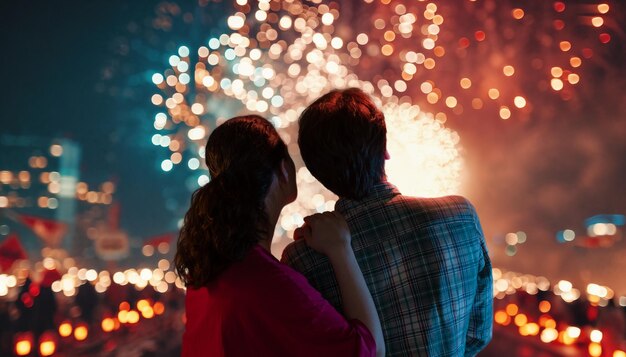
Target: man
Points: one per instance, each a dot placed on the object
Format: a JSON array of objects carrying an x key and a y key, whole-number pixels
[{"x": 423, "y": 259}]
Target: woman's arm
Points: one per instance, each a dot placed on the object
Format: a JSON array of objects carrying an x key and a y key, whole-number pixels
[
  {"x": 357, "y": 300},
  {"x": 328, "y": 234}
]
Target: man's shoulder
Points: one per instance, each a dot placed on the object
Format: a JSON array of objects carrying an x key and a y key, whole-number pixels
[
  {"x": 298, "y": 252},
  {"x": 292, "y": 250},
  {"x": 446, "y": 207}
]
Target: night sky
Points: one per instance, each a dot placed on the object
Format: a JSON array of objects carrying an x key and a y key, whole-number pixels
[
  {"x": 53, "y": 59},
  {"x": 72, "y": 68}
]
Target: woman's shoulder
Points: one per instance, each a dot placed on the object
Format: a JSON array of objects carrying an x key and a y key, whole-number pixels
[
  {"x": 260, "y": 265},
  {"x": 260, "y": 273},
  {"x": 255, "y": 264}
]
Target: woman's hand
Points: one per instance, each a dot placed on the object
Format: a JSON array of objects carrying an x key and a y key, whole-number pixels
[{"x": 327, "y": 233}]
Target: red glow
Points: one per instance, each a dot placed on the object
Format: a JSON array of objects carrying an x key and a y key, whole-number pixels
[
  {"x": 27, "y": 300},
  {"x": 566, "y": 94},
  {"x": 464, "y": 42},
  {"x": 592, "y": 313},
  {"x": 480, "y": 35},
  {"x": 605, "y": 37},
  {"x": 559, "y": 25},
  {"x": 34, "y": 290},
  {"x": 559, "y": 6},
  {"x": 124, "y": 306},
  {"x": 587, "y": 52}
]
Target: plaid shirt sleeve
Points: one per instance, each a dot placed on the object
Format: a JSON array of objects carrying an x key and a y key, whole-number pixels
[
  {"x": 481, "y": 320},
  {"x": 316, "y": 268}
]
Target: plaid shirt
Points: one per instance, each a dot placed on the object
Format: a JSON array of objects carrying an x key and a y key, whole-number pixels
[{"x": 426, "y": 265}]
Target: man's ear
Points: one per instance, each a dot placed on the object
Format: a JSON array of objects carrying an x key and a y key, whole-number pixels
[{"x": 387, "y": 156}]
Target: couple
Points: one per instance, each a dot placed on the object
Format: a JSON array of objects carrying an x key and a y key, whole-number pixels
[{"x": 383, "y": 274}]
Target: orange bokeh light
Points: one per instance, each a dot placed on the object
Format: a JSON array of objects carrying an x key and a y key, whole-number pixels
[
  {"x": 80, "y": 333},
  {"x": 47, "y": 348},
  {"x": 501, "y": 317},
  {"x": 133, "y": 317},
  {"x": 597, "y": 21},
  {"x": 508, "y": 71},
  {"x": 595, "y": 350},
  {"x": 603, "y": 8},
  {"x": 544, "y": 306},
  {"x": 512, "y": 309},
  {"x": 124, "y": 305},
  {"x": 22, "y": 348},
  {"x": 387, "y": 50},
  {"x": 556, "y": 84},
  {"x": 158, "y": 308},
  {"x": 108, "y": 324},
  {"x": 147, "y": 313},
  {"x": 65, "y": 329},
  {"x": 520, "y": 320}
]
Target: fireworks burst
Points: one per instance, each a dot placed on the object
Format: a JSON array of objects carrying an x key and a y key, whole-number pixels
[
  {"x": 276, "y": 74},
  {"x": 280, "y": 55},
  {"x": 501, "y": 58}
]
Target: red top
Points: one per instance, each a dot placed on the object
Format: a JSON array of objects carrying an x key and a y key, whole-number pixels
[{"x": 261, "y": 307}]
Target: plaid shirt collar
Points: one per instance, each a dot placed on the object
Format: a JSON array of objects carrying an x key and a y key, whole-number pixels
[{"x": 380, "y": 192}]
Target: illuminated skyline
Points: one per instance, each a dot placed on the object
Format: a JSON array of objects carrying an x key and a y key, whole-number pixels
[{"x": 545, "y": 169}]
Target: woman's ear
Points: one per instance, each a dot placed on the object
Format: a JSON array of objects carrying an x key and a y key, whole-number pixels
[{"x": 387, "y": 156}]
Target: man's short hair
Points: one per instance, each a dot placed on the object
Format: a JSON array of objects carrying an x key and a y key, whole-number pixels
[{"x": 342, "y": 139}]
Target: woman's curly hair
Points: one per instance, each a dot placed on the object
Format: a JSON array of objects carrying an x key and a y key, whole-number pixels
[{"x": 227, "y": 216}]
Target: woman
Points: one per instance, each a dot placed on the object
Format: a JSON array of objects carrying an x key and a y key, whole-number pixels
[{"x": 241, "y": 301}]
